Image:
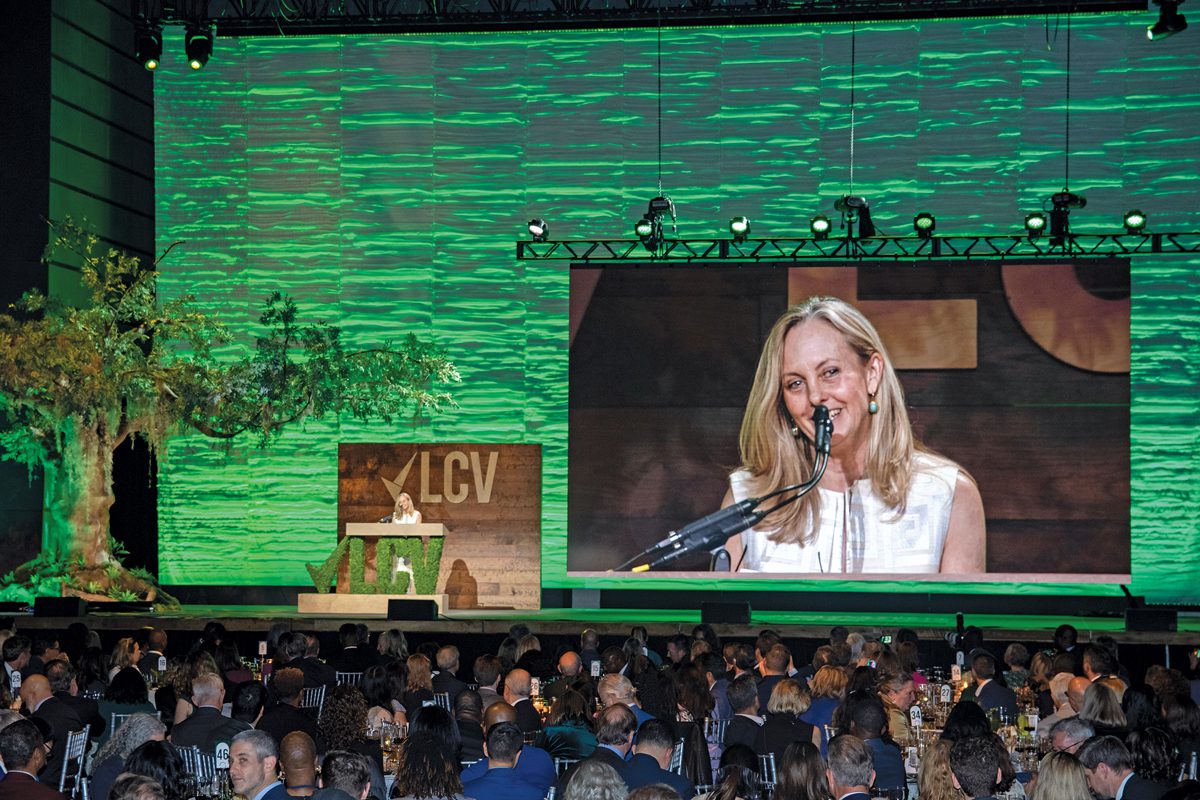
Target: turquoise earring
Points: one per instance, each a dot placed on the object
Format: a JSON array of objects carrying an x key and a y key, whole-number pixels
[{"x": 872, "y": 407}]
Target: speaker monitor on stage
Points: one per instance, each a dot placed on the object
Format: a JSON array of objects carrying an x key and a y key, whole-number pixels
[
  {"x": 1151, "y": 619},
  {"x": 399, "y": 608},
  {"x": 731, "y": 613},
  {"x": 59, "y": 607}
]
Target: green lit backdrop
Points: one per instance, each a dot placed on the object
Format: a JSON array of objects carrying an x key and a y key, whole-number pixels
[{"x": 382, "y": 181}]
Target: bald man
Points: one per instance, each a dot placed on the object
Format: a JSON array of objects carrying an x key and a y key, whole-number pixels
[
  {"x": 534, "y": 765},
  {"x": 62, "y": 719},
  {"x": 516, "y": 693},
  {"x": 298, "y": 757},
  {"x": 570, "y": 670},
  {"x": 1075, "y": 692}
]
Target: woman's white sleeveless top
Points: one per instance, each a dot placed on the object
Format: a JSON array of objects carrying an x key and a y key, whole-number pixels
[{"x": 858, "y": 532}]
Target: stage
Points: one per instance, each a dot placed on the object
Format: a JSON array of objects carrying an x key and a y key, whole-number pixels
[{"x": 616, "y": 622}]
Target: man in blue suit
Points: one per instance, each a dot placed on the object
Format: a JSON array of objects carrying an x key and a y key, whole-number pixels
[
  {"x": 535, "y": 766},
  {"x": 851, "y": 768},
  {"x": 991, "y": 693},
  {"x": 502, "y": 748},
  {"x": 651, "y": 757}
]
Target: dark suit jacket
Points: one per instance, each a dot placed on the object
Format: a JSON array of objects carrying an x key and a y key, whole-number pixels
[
  {"x": 527, "y": 716},
  {"x": 719, "y": 692},
  {"x": 889, "y": 764},
  {"x": 63, "y": 720},
  {"x": 996, "y": 695},
  {"x": 643, "y": 770},
  {"x": 778, "y": 732},
  {"x": 534, "y": 766},
  {"x": 19, "y": 786},
  {"x": 742, "y": 730},
  {"x": 88, "y": 712},
  {"x": 282, "y": 719},
  {"x": 194, "y": 731},
  {"x": 1139, "y": 788},
  {"x": 316, "y": 672},
  {"x": 352, "y": 659},
  {"x": 447, "y": 682},
  {"x": 489, "y": 696},
  {"x": 766, "y": 685},
  {"x": 502, "y": 783}
]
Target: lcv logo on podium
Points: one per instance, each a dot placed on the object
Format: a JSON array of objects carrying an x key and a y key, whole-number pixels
[{"x": 460, "y": 472}]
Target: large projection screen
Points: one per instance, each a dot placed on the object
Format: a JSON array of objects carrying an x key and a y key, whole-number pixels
[{"x": 382, "y": 181}]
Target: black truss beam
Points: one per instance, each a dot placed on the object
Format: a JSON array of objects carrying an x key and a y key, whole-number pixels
[
  {"x": 599, "y": 252},
  {"x": 292, "y": 17}
]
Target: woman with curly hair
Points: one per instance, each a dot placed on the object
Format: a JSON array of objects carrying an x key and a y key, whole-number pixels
[
  {"x": 425, "y": 771},
  {"x": 801, "y": 774},
  {"x": 568, "y": 732},
  {"x": 419, "y": 687},
  {"x": 198, "y": 663},
  {"x": 343, "y": 726},
  {"x": 109, "y": 760},
  {"x": 935, "y": 781},
  {"x": 161, "y": 762}
]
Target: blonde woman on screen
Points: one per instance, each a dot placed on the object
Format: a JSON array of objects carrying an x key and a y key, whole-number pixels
[{"x": 885, "y": 503}]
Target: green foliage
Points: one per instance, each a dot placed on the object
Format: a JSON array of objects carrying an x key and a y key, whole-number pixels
[
  {"x": 425, "y": 560},
  {"x": 46, "y": 575},
  {"x": 128, "y": 363},
  {"x": 123, "y": 595}
]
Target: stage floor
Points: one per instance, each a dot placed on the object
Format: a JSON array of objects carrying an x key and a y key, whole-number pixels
[{"x": 659, "y": 622}]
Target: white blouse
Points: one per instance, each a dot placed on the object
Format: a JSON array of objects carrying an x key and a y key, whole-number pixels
[{"x": 858, "y": 532}]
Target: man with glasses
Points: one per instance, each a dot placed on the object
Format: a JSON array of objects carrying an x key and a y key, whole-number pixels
[
  {"x": 1069, "y": 734},
  {"x": 25, "y": 748}
]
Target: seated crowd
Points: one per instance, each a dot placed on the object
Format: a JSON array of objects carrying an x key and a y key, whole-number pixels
[{"x": 727, "y": 720}]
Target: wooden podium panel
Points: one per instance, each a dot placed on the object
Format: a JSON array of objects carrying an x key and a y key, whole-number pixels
[
  {"x": 358, "y": 605},
  {"x": 487, "y": 497}
]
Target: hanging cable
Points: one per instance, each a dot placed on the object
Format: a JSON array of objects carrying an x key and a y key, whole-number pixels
[
  {"x": 1067, "y": 115},
  {"x": 853, "y": 61},
  {"x": 660, "y": 129}
]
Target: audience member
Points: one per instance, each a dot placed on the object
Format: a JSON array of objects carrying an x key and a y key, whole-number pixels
[
  {"x": 161, "y": 762},
  {"x": 568, "y": 732},
  {"x": 446, "y": 680},
  {"x": 973, "y": 763},
  {"x": 737, "y": 775},
  {"x": 783, "y": 724},
  {"x": 898, "y": 693},
  {"x": 1061, "y": 777},
  {"x": 109, "y": 760},
  {"x": 487, "y": 670},
  {"x": 129, "y": 786},
  {"x": 745, "y": 724},
  {"x": 61, "y": 677},
  {"x": 1102, "y": 708},
  {"x": 392, "y": 646},
  {"x": 535, "y": 765},
  {"x": 828, "y": 690},
  {"x": 62, "y": 719},
  {"x": 800, "y": 774},
  {"x": 1068, "y": 735},
  {"x": 419, "y": 688},
  {"x": 772, "y": 668},
  {"x": 503, "y": 747},
  {"x": 352, "y": 657},
  {"x": 468, "y": 716},
  {"x": 651, "y": 757},
  {"x": 23, "y": 750},
  {"x": 517, "y": 687},
  {"x": 851, "y": 768},
  {"x": 298, "y": 761},
  {"x": 208, "y": 696},
  {"x": 712, "y": 666},
  {"x": 614, "y": 740},
  {"x": 345, "y": 776},
  {"x": 253, "y": 763},
  {"x": 286, "y": 715},
  {"x": 1109, "y": 770},
  {"x": 425, "y": 770},
  {"x": 935, "y": 781},
  {"x": 594, "y": 780},
  {"x": 991, "y": 694}
]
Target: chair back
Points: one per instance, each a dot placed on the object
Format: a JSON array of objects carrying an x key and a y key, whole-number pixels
[
  {"x": 766, "y": 771},
  {"x": 117, "y": 720},
  {"x": 313, "y": 698},
  {"x": 561, "y": 765},
  {"x": 676, "y": 764},
  {"x": 201, "y": 767},
  {"x": 352, "y": 678},
  {"x": 714, "y": 731},
  {"x": 70, "y": 780},
  {"x": 443, "y": 700}
]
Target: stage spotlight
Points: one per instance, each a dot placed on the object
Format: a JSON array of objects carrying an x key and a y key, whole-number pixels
[
  {"x": 1060, "y": 212},
  {"x": 1035, "y": 223},
  {"x": 649, "y": 230},
  {"x": 820, "y": 226},
  {"x": 1135, "y": 221},
  {"x": 1170, "y": 21},
  {"x": 739, "y": 228},
  {"x": 198, "y": 45},
  {"x": 856, "y": 210},
  {"x": 148, "y": 46},
  {"x": 538, "y": 229},
  {"x": 924, "y": 224}
]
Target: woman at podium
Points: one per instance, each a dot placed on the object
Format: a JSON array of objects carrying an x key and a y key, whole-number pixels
[{"x": 405, "y": 513}]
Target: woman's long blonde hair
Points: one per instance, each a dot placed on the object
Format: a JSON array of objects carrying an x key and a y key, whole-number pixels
[
  {"x": 775, "y": 458},
  {"x": 934, "y": 778}
]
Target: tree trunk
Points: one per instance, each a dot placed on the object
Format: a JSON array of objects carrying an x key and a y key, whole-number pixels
[{"x": 79, "y": 494}]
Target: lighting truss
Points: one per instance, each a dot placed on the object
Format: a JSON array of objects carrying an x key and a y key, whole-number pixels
[
  {"x": 883, "y": 248},
  {"x": 290, "y": 17}
]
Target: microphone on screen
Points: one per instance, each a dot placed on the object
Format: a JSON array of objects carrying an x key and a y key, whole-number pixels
[{"x": 823, "y": 426}]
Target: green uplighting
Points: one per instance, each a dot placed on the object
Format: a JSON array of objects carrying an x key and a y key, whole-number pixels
[
  {"x": 1135, "y": 221},
  {"x": 924, "y": 224},
  {"x": 820, "y": 226},
  {"x": 739, "y": 228},
  {"x": 1035, "y": 223}
]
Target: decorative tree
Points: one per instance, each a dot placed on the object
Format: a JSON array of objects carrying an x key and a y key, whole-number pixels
[{"x": 76, "y": 383}]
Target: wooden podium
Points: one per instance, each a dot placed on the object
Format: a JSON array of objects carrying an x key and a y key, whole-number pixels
[{"x": 343, "y": 602}]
